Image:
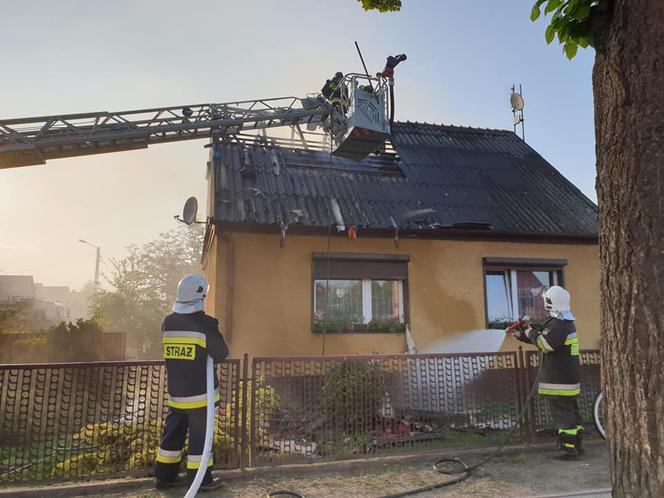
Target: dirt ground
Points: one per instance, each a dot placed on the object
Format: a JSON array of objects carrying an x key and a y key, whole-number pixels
[{"x": 513, "y": 475}]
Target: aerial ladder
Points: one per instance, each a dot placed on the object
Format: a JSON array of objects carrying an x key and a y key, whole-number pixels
[
  {"x": 355, "y": 112},
  {"x": 356, "y": 120}
]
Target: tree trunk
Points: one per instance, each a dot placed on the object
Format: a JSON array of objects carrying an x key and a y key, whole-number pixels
[{"x": 628, "y": 82}]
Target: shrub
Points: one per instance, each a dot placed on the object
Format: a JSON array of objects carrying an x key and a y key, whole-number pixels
[
  {"x": 109, "y": 447},
  {"x": 352, "y": 396},
  {"x": 79, "y": 341}
]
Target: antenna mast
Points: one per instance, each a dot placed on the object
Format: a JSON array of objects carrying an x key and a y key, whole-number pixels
[{"x": 517, "y": 103}]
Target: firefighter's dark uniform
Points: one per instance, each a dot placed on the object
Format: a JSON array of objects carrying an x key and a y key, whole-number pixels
[
  {"x": 188, "y": 339},
  {"x": 332, "y": 90},
  {"x": 560, "y": 377}
]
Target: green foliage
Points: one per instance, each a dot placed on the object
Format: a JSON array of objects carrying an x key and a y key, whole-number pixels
[
  {"x": 6, "y": 316},
  {"x": 381, "y": 5},
  {"x": 569, "y": 21},
  {"x": 31, "y": 342},
  {"x": 332, "y": 326},
  {"x": 75, "y": 341},
  {"x": 145, "y": 285},
  {"x": 110, "y": 447},
  {"x": 15, "y": 318},
  {"x": 350, "y": 444},
  {"x": 267, "y": 405},
  {"x": 351, "y": 396},
  {"x": 500, "y": 323},
  {"x": 337, "y": 326},
  {"x": 393, "y": 326}
]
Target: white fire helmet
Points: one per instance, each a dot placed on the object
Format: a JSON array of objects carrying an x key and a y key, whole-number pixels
[
  {"x": 192, "y": 290},
  {"x": 557, "y": 303}
]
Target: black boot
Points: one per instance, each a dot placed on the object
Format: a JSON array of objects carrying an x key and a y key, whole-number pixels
[
  {"x": 567, "y": 443},
  {"x": 208, "y": 484},
  {"x": 173, "y": 483},
  {"x": 212, "y": 485},
  {"x": 579, "y": 440}
]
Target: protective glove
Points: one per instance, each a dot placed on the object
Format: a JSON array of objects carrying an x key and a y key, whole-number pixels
[{"x": 521, "y": 333}]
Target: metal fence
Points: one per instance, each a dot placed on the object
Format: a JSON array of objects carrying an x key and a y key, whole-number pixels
[
  {"x": 78, "y": 420},
  {"x": 309, "y": 408},
  {"x": 540, "y": 421},
  {"x": 101, "y": 418}
]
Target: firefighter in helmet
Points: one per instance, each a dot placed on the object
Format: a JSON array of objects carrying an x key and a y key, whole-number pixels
[
  {"x": 561, "y": 371},
  {"x": 189, "y": 336},
  {"x": 334, "y": 91}
]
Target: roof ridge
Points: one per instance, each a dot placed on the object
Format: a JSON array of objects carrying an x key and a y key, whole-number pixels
[{"x": 451, "y": 127}]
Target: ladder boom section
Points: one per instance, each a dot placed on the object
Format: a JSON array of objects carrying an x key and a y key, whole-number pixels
[{"x": 30, "y": 141}]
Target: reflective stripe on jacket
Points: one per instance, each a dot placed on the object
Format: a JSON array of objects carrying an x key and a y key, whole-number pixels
[
  {"x": 187, "y": 341},
  {"x": 561, "y": 372}
]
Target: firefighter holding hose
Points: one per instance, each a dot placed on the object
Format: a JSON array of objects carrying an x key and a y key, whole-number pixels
[
  {"x": 561, "y": 370},
  {"x": 189, "y": 336}
]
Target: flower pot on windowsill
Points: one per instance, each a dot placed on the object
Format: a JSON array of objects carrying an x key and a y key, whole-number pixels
[
  {"x": 346, "y": 327},
  {"x": 386, "y": 326}
]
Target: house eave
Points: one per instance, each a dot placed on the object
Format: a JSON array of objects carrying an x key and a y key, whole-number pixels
[{"x": 411, "y": 234}]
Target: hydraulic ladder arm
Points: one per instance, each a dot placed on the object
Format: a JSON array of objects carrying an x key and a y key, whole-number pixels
[{"x": 35, "y": 140}]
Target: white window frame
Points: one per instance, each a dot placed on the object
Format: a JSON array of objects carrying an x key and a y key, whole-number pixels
[
  {"x": 367, "y": 311},
  {"x": 514, "y": 290}
]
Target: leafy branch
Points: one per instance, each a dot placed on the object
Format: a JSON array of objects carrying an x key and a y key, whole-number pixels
[{"x": 570, "y": 22}]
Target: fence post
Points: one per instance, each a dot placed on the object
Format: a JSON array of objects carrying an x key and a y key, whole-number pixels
[
  {"x": 529, "y": 386},
  {"x": 524, "y": 390},
  {"x": 243, "y": 402},
  {"x": 520, "y": 381}
]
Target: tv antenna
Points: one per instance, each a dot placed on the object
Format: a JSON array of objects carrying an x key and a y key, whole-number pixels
[
  {"x": 517, "y": 103},
  {"x": 189, "y": 212}
]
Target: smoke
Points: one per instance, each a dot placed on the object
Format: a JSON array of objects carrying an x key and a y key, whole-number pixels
[{"x": 474, "y": 341}]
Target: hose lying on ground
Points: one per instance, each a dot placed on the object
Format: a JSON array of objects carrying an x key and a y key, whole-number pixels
[{"x": 447, "y": 465}]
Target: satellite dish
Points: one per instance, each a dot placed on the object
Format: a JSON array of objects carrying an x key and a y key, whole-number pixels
[
  {"x": 190, "y": 211},
  {"x": 516, "y": 101}
]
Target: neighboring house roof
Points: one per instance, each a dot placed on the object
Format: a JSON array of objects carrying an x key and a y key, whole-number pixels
[
  {"x": 16, "y": 287},
  {"x": 447, "y": 178}
]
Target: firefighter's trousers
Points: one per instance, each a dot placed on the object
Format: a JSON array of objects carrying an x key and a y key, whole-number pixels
[
  {"x": 565, "y": 412},
  {"x": 169, "y": 454}
]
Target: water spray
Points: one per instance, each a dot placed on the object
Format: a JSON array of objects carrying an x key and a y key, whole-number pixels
[{"x": 456, "y": 466}]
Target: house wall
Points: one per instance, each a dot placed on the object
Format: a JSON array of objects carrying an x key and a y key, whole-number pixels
[{"x": 272, "y": 292}]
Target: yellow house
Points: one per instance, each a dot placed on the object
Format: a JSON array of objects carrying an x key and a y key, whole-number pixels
[{"x": 432, "y": 246}]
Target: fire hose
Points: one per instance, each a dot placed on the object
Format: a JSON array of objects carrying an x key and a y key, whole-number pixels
[
  {"x": 209, "y": 431},
  {"x": 451, "y": 466}
]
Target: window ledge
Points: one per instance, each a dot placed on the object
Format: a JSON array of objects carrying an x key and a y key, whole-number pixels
[
  {"x": 358, "y": 332},
  {"x": 387, "y": 328}
]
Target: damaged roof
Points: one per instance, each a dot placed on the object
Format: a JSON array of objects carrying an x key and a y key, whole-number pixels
[{"x": 446, "y": 177}]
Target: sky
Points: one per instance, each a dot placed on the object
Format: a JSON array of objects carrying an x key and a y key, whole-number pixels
[{"x": 71, "y": 56}]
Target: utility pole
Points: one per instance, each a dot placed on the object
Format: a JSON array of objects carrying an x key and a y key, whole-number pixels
[{"x": 95, "y": 284}]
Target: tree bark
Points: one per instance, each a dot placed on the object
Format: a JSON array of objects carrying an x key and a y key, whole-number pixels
[{"x": 628, "y": 82}]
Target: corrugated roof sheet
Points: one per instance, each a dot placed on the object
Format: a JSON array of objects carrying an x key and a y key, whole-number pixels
[{"x": 465, "y": 175}]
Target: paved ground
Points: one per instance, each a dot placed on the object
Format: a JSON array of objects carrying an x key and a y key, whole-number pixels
[
  {"x": 520, "y": 474},
  {"x": 597, "y": 493}
]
